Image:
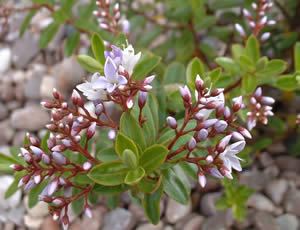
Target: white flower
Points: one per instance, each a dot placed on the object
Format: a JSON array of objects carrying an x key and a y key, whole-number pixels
[
  {"x": 112, "y": 79},
  {"x": 229, "y": 156},
  {"x": 88, "y": 90},
  {"x": 130, "y": 59}
]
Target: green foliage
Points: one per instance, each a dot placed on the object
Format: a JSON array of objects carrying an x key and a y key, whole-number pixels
[
  {"x": 144, "y": 67},
  {"x": 98, "y": 48},
  {"x": 89, "y": 63},
  {"x": 71, "y": 44},
  {"x": 48, "y": 34}
]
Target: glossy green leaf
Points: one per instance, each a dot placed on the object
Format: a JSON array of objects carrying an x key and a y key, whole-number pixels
[
  {"x": 149, "y": 185},
  {"x": 174, "y": 187},
  {"x": 228, "y": 64},
  {"x": 249, "y": 83},
  {"x": 5, "y": 162},
  {"x": 120, "y": 40},
  {"x": 35, "y": 192},
  {"x": 107, "y": 154},
  {"x": 71, "y": 44},
  {"x": 214, "y": 75},
  {"x": 252, "y": 49},
  {"x": 286, "y": 82},
  {"x": 89, "y": 63},
  {"x": 123, "y": 142},
  {"x": 112, "y": 202},
  {"x": 26, "y": 22},
  {"x": 48, "y": 34},
  {"x": 13, "y": 188},
  {"x": 273, "y": 68},
  {"x": 130, "y": 159},
  {"x": 247, "y": 64},
  {"x": 77, "y": 204},
  {"x": 130, "y": 127},
  {"x": 134, "y": 176},
  {"x": 82, "y": 179},
  {"x": 194, "y": 67},
  {"x": 175, "y": 73},
  {"x": 109, "y": 173},
  {"x": 237, "y": 51},
  {"x": 297, "y": 56},
  {"x": 151, "y": 205},
  {"x": 261, "y": 63},
  {"x": 143, "y": 68},
  {"x": 262, "y": 143},
  {"x": 153, "y": 157},
  {"x": 110, "y": 190},
  {"x": 98, "y": 48}
]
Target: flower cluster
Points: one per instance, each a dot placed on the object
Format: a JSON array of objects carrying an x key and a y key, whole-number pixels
[
  {"x": 258, "y": 20},
  {"x": 220, "y": 158},
  {"x": 260, "y": 108},
  {"x": 111, "y": 21}
]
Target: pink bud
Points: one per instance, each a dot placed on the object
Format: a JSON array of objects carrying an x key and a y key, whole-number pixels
[
  {"x": 202, "y": 135},
  {"x": 227, "y": 112},
  {"x": 142, "y": 99},
  {"x": 258, "y": 92},
  {"x": 172, "y": 123},
  {"x": 91, "y": 130},
  {"x": 185, "y": 94},
  {"x": 216, "y": 173},
  {"x": 76, "y": 98},
  {"x": 52, "y": 187},
  {"x": 148, "y": 80},
  {"x": 246, "y": 13},
  {"x": 87, "y": 165},
  {"x": 210, "y": 122},
  {"x": 220, "y": 126},
  {"x": 36, "y": 151},
  {"x": 237, "y": 136},
  {"x": 209, "y": 159},
  {"x": 46, "y": 159},
  {"x": 88, "y": 211},
  {"x": 58, "y": 148},
  {"x": 65, "y": 222},
  {"x": 59, "y": 158},
  {"x": 265, "y": 36},
  {"x": 223, "y": 143},
  {"x": 240, "y": 30},
  {"x": 267, "y": 100},
  {"x": 199, "y": 83},
  {"x": 192, "y": 144},
  {"x": 202, "y": 180},
  {"x": 130, "y": 103},
  {"x": 111, "y": 134}
]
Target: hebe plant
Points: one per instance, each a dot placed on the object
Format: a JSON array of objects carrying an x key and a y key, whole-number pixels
[{"x": 170, "y": 128}]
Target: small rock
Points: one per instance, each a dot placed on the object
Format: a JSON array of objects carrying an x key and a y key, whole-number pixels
[
  {"x": 68, "y": 74},
  {"x": 168, "y": 227},
  {"x": 208, "y": 203},
  {"x": 7, "y": 91},
  {"x": 38, "y": 211},
  {"x": 19, "y": 138},
  {"x": 20, "y": 92},
  {"x": 32, "y": 88},
  {"x": 276, "y": 190},
  {"x": 119, "y": 219},
  {"x": 271, "y": 172},
  {"x": 3, "y": 111},
  {"x": 21, "y": 56},
  {"x": 47, "y": 85},
  {"x": 253, "y": 179},
  {"x": 5, "y": 59},
  {"x": 221, "y": 221},
  {"x": 194, "y": 223},
  {"x": 176, "y": 211},
  {"x": 265, "y": 159},
  {"x": 159, "y": 226},
  {"x": 290, "y": 163},
  {"x": 49, "y": 224},
  {"x": 138, "y": 212},
  {"x": 33, "y": 222},
  {"x": 265, "y": 221},
  {"x": 19, "y": 76},
  {"x": 292, "y": 202},
  {"x": 30, "y": 118},
  {"x": 16, "y": 215},
  {"x": 261, "y": 202},
  {"x": 14, "y": 200},
  {"x": 12, "y": 105},
  {"x": 9, "y": 226},
  {"x": 211, "y": 185},
  {"x": 277, "y": 148},
  {"x": 96, "y": 222},
  {"x": 288, "y": 222}
]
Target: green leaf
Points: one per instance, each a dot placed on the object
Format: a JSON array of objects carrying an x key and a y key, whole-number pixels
[
  {"x": 71, "y": 44},
  {"x": 109, "y": 173},
  {"x": 67, "y": 6},
  {"x": 149, "y": 185},
  {"x": 174, "y": 187},
  {"x": 130, "y": 127},
  {"x": 120, "y": 40},
  {"x": 249, "y": 83},
  {"x": 48, "y": 34},
  {"x": 286, "y": 82},
  {"x": 194, "y": 67},
  {"x": 222, "y": 204},
  {"x": 5, "y": 162},
  {"x": 240, "y": 212},
  {"x": 237, "y": 51},
  {"x": 175, "y": 73},
  {"x": 14, "y": 152},
  {"x": 107, "y": 154},
  {"x": 110, "y": 190},
  {"x": 26, "y": 22},
  {"x": 151, "y": 205},
  {"x": 35, "y": 192},
  {"x": 134, "y": 176},
  {"x": 129, "y": 158},
  {"x": 112, "y": 202},
  {"x": 59, "y": 16},
  {"x": 122, "y": 143},
  {"x": 143, "y": 68},
  {"x": 214, "y": 75},
  {"x": 261, "y": 63},
  {"x": 153, "y": 157},
  {"x": 98, "y": 48},
  {"x": 77, "y": 204},
  {"x": 262, "y": 143},
  {"x": 252, "y": 49},
  {"x": 247, "y": 64},
  {"x": 82, "y": 179},
  {"x": 273, "y": 68},
  {"x": 228, "y": 64},
  {"x": 297, "y": 56},
  {"x": 13, "y": 188},
  {"x": 89, "y": 63}
]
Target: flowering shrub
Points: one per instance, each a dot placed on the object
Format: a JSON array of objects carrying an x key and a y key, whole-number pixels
[{"x": 170, "y": 128}]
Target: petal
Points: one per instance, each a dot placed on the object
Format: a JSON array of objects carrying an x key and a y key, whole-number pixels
[
  {"x": 238, "y": 146},
  {"x": 122, "y": 80},
  {"x": 227, "y": 164},
  {"x": 84, "y": 87},
  {"x": 95, "y": 76},
  {"x": 101, "y": 83},
  {"x": 235, "y": 163},
  {"x": 111, "y": 87},
  {"x": 110, "y": 68}
]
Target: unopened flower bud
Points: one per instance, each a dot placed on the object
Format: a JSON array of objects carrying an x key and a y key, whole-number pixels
[
  {"x": 172, "y": 123},
  {"x": 202, "y": 179},
  {"x": 199, "y": 116},
  {"x": 24, "y": 180},
  {"x": 88, "y": 211},
  {"x": 142, "y": 99},
  {"x": 252, "y": 24},
  {"x": 30, "y": 185},
  {"x": 65, "y": 222},
  {"x": 264, "y": 20},
  {"x": 45, "y": 158},
  {"x": 111, "y": 134},
  {"x": 67, "y": 143},
  {"x": 199, "y": 83},
  {"x": 240, "y": 30},
  {"x": 36, "y": 151},
  {"x": 58, "y": 148},
  {"x": 59, "y": 158},
  {"x": 91, "y": 130},
  {"x": 130, "y": 103},
  {"x": 58, "y": 202},
  {"x": 210, "y": 122},
  {"x": 265, "y": 36},
  {"x": 125, "y": 26},
  {"x": 28, "y": 158},
  {"x": 52, "y": 187},
  {"x": 209, "y": 159},
  {"x": 32, "y": 140},
  {"x": 16, "y": 167},
  {"x": 223, "y": 143},
  {"x": 87, "y": 165},
  {"x": 267, "y": 100},
  {"x": 220, "y": 126},
  {"x": 216, "y": 173},
  {"x": 76, "y": 98},
  {"x": 227, "y": 112},
  {"x": 192, "y": 144},
  {"x": 148, "y": 80},
  {"x": 246, "y": 13},
  {"x": 57, "y": 95},
  {"x": 47, "y": 104},
  {"x": 211, "y": 105},
  {"x": 254, "y": 6},
  {"x": 244, "y": 132},
  {"x": 185, "y": 94},
  {"x": 220, "y": 111},
  {"x": 237, "y": 103},
  {"x": 202, "y": 134},
  {"x": 99, "y": 109},
  {"x": 216, "y": 92},
  {"x": 271, "y": 22},
  {"x": 237, "y": 136},
  {"x": 258, "y": 92}
]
